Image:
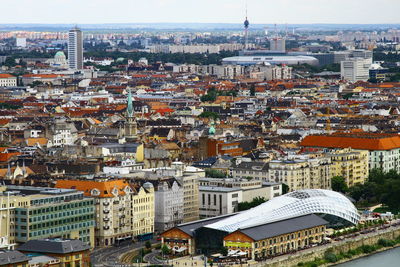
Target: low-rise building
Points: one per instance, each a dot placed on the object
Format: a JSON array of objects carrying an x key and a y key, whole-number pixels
[
  {"x": 251, "y": 188},
  {"x": 71, "y": 252},
  {"x": 7, "y": 80},
  {"x": 13, "y": 258},
  {"x": 215, "y": 201},
  {"x": 266, "y": 240}
]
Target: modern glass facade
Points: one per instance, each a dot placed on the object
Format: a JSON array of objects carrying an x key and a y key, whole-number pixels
[{"x": 67, "y": 215}]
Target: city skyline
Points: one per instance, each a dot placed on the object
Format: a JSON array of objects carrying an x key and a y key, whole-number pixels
[{"x": 207, "y": 11}]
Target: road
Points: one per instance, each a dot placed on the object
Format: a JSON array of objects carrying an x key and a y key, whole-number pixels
[
  {"x": 152, "y": 258},
  {"x": 110, "y": 256}
]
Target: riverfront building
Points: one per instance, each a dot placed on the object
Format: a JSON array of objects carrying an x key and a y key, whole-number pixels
[
  {"x": 279, "y": 221},
  {"x": 261, "y": 241}
]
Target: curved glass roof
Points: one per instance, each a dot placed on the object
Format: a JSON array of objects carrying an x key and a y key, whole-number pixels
[{"x": 301, "y": 202}]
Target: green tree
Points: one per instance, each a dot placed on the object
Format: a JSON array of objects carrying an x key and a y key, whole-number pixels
[
  {"x": 339, "y": 184},
  {"x": 215, "y": 173},
  {"x": 285, "y": 189},
  {"x": 252, "y": 90},
  {"x": 147, "y": 245},
  {"x": 224, "y": 251},
  {"x": 254, "y": 203},
  {"x": 165, "y": 250},
  {"x": 209, "y": 114}
]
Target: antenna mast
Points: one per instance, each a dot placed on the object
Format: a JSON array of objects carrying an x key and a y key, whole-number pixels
[{"x": 246, "y": 30}]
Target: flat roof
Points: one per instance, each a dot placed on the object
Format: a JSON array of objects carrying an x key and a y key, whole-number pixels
[{"x": 219, "y": 189}]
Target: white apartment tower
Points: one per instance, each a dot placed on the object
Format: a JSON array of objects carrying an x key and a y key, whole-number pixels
[
  {"x": 277, "y": 45},
  {"x": 355, "y": 69},
  {"x": 75, "y": 49}
]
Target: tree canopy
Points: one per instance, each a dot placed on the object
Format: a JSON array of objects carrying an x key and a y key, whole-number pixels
[
  {"x": 381, "y": 188},
  {"x": 254, "y": 203},
  {"x": 339, "y": 184}
]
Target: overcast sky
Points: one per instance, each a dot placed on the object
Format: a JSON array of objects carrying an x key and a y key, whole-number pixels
[{"x": 214, "y": 11}]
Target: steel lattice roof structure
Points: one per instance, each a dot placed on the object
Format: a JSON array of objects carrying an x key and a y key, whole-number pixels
[{"x": 328, "y": 204}]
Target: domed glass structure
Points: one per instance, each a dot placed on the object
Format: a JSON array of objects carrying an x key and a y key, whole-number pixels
[{"x": 334, "y": 207}]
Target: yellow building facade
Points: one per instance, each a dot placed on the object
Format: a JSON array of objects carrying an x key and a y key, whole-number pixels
[
  {"x": 351, "y": 164},
  {"x": 143, "y": 210},
  {"x": 8, "y": 204}
]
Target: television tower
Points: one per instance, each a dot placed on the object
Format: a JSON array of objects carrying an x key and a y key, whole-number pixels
[{"x": 246, "y": 30}]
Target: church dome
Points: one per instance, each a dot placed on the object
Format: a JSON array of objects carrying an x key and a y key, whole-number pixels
[{"x": 59, "y": 54}]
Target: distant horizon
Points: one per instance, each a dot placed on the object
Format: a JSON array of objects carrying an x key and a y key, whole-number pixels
[
  {"x": 196, "y": 26},
  {"x": 216, "y": 23},
  {"x": 205, "y": 11}
]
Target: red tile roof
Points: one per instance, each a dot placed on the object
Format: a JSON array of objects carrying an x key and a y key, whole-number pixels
[{"x": 363, "y": 141}]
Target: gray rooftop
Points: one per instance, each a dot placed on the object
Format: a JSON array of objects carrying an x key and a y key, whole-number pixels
[
  {"x": 189, "y": 228},
  {"x": 11, "y": 257},
  {"x": 57, "y": 246},
  {"x": 219, "y": 189},
  {"x": 282, "y": 227}
]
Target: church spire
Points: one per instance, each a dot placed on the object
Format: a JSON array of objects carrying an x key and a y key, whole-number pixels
[
  {"x": 130, "y": 123},
  {"x": 129, "y": 109},
  {"x": 8, "y": 174}
]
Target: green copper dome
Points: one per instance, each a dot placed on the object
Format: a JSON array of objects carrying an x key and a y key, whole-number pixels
[
  {"x": 60, "y": 54},
  {"x": 211, "y": 131}
]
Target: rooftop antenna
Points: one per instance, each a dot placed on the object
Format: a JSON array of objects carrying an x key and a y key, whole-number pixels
[
  {"x": 286, "y": 30},
  {"x": 246, "y": 30}
]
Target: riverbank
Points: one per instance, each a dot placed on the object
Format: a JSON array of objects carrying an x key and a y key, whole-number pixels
[
  {"x": 386, "y": 257},
  {"x": 359, "y": 246},
  {"x": 354, "y": 249},
  {"x": 339, "y": 263}
]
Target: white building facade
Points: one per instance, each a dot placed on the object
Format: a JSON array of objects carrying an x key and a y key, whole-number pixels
[{"x": 75, "y": 49}]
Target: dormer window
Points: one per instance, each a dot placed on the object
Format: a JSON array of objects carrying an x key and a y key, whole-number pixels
[
  {"x": 115, "y": 191},
  {"x": 95, "y": 192}
]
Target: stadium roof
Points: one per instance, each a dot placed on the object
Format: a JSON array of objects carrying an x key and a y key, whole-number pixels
[{"x": 270, "y": 60}]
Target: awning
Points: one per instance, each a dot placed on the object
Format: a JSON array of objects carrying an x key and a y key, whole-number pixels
[
  {"x": 122, "y": 238},
  {"x": 232, "y": 252},
  {"x": 181, "y": 249},
  {"x": 242, "y": 253}
]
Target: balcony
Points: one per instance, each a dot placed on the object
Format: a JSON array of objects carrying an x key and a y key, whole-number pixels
[
  {"x": 106, "y": 227},
  {"x": 106, "y": 203},
  {"x": 106, "y": 219},
  {"x": 106, "y": 211}
]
